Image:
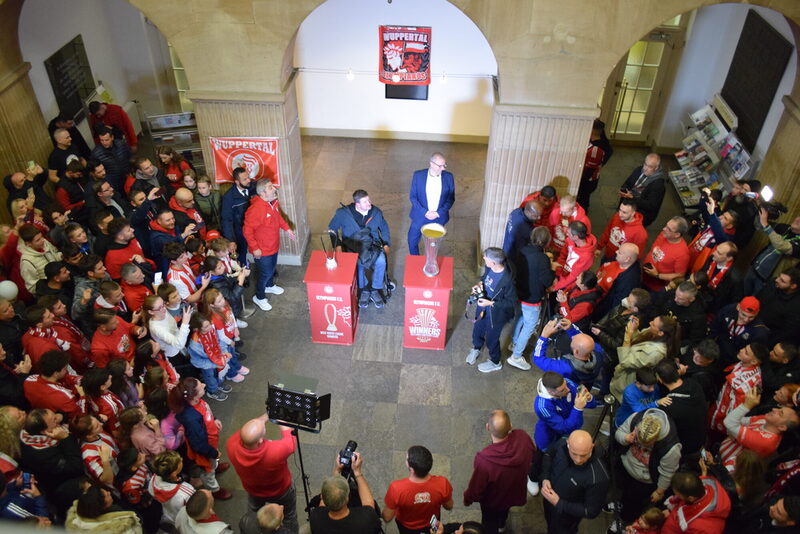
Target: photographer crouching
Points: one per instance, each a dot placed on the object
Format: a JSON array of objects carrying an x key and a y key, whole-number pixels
[{"x": 334, "y": 513}]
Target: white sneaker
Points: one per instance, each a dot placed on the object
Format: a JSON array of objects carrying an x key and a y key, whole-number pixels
[
  {"x": 489, "y": 366},
  {"x": 241, "y": 324},
  {"x": 275, "y": 290},
  {"x": 473, "y": 356},
  {"x": 262, "y": 303},
  {"x": 533, "y": 487},
  {"x": 518, "y": 362}
]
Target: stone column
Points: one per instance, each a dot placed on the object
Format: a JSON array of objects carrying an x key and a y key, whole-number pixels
[
  {"x": 530, "y": 147},
  {"x": 263, "y": 115},
  {"x": 23, "y": 131}
]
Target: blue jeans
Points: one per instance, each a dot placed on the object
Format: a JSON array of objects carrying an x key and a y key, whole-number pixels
[
  {"x": 266, "y": 270},
  {"x": 378, "y": 273},
  {"x": 524, "y": 328},
  {"x": 211, "y": 376}
]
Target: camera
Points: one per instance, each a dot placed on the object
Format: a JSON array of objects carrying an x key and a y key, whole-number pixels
[
  {"x": 764, "y": 202},
  {"x": 346, "y": 458},
  {"x": 476, "y": 295}
]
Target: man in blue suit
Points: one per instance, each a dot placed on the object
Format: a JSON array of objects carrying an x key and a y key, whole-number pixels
[
  {"x": 433, "y": 192},
  {"x": 235, "y": 202}
]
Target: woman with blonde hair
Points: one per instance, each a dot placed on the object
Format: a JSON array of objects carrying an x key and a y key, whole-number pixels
[{"x": 652, "y": 457}]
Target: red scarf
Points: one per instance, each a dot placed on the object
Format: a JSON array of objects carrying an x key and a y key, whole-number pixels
[
  {"x": 715, "y": 279},
  {"x": 37, "y": 441},
  {"x": 69, "y": 325},
  {"x": 210, "y": 344},
  {"x": 164, "y": 363},
  {"x": 49, "y": 333}
]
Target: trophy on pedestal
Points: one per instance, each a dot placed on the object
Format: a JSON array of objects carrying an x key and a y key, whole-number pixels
[{"x": 432, "y": 235}]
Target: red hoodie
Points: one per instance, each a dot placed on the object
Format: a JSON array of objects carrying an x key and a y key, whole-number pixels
[
  {"x": 263, "y": 470},
  {"x": 574, "y": 260},
  {"x": 500, "y": 473},
  {"x": 557, "y": 224},
  {"x": 118, "y": 255},
  {"x": 262, "y": 225},
  {"x": 706, "y": 515},
  {"x": 618, "y": 232},
  {"x": 545, "y": 217},
  {"x": 192, "y": 214}
]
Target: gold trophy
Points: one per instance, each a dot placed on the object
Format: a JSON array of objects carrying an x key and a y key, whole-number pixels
[{"x": 432, "y": 235}]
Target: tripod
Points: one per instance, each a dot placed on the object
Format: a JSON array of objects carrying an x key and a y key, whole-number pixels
[{"x": 303, "y": 475}]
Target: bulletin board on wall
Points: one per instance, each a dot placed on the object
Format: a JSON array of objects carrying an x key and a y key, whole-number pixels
[
  {"x": 754, "y": 75},
  {"x": 71, "y": 77}
]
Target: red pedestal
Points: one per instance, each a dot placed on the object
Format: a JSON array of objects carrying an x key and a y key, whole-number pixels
[
  {"x": 427, "y": 302},
  {"x": 332, "y": 299}
]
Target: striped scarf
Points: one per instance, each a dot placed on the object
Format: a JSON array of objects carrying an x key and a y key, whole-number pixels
[{"x": 210, "y": 344}]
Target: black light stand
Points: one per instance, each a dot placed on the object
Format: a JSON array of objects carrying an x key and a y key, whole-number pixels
[{"x": 293, "y": 403}]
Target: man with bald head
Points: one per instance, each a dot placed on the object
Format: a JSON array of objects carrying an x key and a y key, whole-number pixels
[
  {"x": 616, "y": 279},
  {"x": 574, "y": 483},
  {"x": 582, "y": 364},
  {"x": 268, "y": 519},
  {"x": 500, "y": 472},
  {"x": 182, "y": 205},
  {"x": 262, "y": 467},
  {"x": 646, "y": 184}
]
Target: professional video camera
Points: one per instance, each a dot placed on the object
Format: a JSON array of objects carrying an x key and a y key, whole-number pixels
[
  {"x": 346, "y": 458},
  {"x": 764, "y": 202}
]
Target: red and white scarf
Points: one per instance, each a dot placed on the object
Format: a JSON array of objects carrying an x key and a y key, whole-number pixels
[
  {"x": 49, "y": 333},
  {"x": 210, "y": 343},
  {"x": 715, "y": 278},
  {"x": 37, "y": 441},
  {"x": 69, "y": 325}
]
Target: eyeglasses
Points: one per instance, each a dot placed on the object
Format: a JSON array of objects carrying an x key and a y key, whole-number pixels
[{"x": 440, "y": 165}]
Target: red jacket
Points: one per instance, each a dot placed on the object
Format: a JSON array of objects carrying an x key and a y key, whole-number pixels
[
  {"x": 56, "y": 396},
  {"x": 115, "y": 117},
  {"x": 192, "y": 214},
  {"x": 35, "y": 346},
  {"x": 557, "y": 224},
  {"x": 134, "y": 295},
  {"x": 574, "y": 260},
  {"x": 545, "y": 216},
  {"x": 262, "y": 224},
  {"x": 618, "y": 232},
  {"x": 263, "y": 470},
  {"x": 118, "y": 255},
  {"x": 705, "y": 516},
  {"x": 575, "y": 311},
  {"x": 119, "y": 344},
  {"x": 500, "y": 472}
]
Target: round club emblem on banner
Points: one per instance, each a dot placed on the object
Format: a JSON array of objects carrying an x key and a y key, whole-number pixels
[
  {"x": 247, "y": 159},
  {"x": 427, "y": 293}
]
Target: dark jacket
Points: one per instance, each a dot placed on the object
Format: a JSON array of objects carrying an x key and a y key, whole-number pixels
[
  {"x": 52, "y": 466},
  {"x": 11, "y": 391},
  {"x": 710, "y": 378},
  {"x": 649, "y": 199},
  {"x": 729, "y": 289},
  {"x": 729, "y": 346},
  {"x": 688, "y": 411},
  {"x": 581, "y": 488},
  {"x": 776, "y": 375},
  {"x": 116, "y": 160},
  {"x": 195, "y": 431},
  {"x": 349, "y": 221},
  {"x": 692, "y": 318},
  {"x": 11, "y": 338},
  {"x": 140, "y": 222},
  {"x": 624, "y": 283},
  {"x": 533, "y": 274},
  {"x": 505, "y": 297},
  {"x": 234, "y": 205},
  {"x": 612, "y": 331},
  {"x": 159, "y": 236},
  {"x": 230, "y": 289},
  {"x": 500, "y": 472},
  {"x": 517, "y": 234},
  {"x": 780, "y": 312}
]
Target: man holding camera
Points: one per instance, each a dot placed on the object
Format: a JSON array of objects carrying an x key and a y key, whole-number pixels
[
  {"x": 784, "y": 240},
  {"x": 334, "y": 515}
]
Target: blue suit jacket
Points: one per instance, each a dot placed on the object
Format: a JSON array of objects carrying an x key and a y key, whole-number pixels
[{"x": 419, "y": 200}]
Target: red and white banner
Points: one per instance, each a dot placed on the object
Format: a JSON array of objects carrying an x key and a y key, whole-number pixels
[
  {"x": 405, "y": 55},
  {"x": 259, "y": 155}
]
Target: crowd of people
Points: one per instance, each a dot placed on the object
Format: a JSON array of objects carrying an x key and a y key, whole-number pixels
[{"x": 124, "y": 324}]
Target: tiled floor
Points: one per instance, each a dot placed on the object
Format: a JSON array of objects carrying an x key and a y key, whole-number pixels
[{"x": 385, "y": 397}]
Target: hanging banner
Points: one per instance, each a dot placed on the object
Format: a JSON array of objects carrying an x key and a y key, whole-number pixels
[
  {"x": 405, "y": 55},
  {"x": 259, "y": 155}
]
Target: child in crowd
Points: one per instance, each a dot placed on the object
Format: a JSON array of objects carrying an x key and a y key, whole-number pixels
[
  {"x": 231, "y": 288},
  {"x": 208, "y": 201},
  {"x": 148, "y": 356},
  {"x": 172, "y": 299},
  {"x": 190, "y": 180},
  {"x": 650, "y": 522},
  {"x": 197, "y": 248},
  {"x": 222, "y": 248},
  {"x": 215, "y": 362},
  {"x": 640, "y": 395},
  {"x": 221, "y": 314},
  {"x": 167, "y": 487}
]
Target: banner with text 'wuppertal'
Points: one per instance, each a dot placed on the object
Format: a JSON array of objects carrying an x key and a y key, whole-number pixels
[
  {"x": 405, "y": 55},
  {"x": 258, "y": 155}
]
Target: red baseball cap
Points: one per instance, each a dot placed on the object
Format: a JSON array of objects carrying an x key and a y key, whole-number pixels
[
  {"x": 749, "y": 305},
  {"x": 212, "y": 234}
]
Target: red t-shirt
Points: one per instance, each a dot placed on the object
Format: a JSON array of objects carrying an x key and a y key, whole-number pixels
[
  {"x": 118, "y": 344},
  {"x": 667, "y": 258},
  {"x": 416, "y": 502},
  {"x": 264, "y": 471}
]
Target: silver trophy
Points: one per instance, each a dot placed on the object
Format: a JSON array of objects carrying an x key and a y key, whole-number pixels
[{"x": 432, "y": 235}]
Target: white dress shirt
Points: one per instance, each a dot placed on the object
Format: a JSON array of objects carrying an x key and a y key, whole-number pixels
[{"x": 433, "y": 191}]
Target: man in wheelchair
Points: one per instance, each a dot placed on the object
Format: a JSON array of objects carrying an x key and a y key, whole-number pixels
[{"x": 360, "y": 227}]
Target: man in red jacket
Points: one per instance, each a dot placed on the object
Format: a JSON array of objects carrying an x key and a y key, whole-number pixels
[
  {"x": 55, "y": 389},
  {"x": 577, "y": 256},
  {"x": 40, "y": 336},
  {"x": 113, "y": 116},
  {"x": 568, "y": 211},
  {"x": 124, "y": 248},
  {"x": 262, "y": 225},
  {"x": 500, "y": 472},
  {"x": 624, "y": 227},
  {"x": 262, "y": 468},
  {"x": 699, "y": 505}
]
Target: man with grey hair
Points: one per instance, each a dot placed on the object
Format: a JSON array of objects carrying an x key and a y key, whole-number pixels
[
  {"x": 268, "y": 519},
  {"x": 668, "y": 257},
  {"x": 263, "y": 223},
  {"x": 334, "y": 514},
  {"x": 646, "y": 184},
  {"x": 432, "y": 195}
]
